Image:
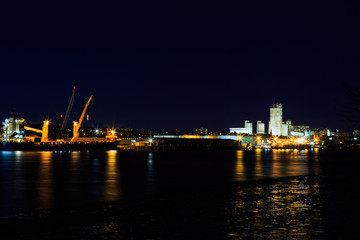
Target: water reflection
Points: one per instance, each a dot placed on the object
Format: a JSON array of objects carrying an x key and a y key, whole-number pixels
[
  {"x": 259, "y": 169},
  {"x": 112, "y": 186},
  {"x": 284, "y": 209},
  {"x": 44, "y": 182},
  {"x": 30, "y": 180},
  {"x": 150, "y": 174},
  {"x": 252, "y": 165},
  {"x": 239, "y": 166}
]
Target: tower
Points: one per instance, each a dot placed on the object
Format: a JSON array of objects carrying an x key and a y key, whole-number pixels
[
  {"x": 260, "y": 128},
  {"x": 275, "y": 124},
  {"x": 249, "y": 126}
]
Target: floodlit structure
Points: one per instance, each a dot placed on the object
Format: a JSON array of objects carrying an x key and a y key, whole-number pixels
[
  {"x": 299, "y": 130},
  {"x": 111, "y": 135},
  {"x": 249, "y": 125},
  {"x": 44, "y": 132},
  {"x": 260, "y": 127},
  {"x": 275, "y": 124},
  {"x": 248, "y": 129},
  {"x": 12, "y": 128},
  {"x": 284, "y": 129},
  {"x": 77, "y": 125}
]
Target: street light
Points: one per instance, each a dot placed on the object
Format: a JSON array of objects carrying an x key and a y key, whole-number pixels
[{"x": 239, "y": 138}]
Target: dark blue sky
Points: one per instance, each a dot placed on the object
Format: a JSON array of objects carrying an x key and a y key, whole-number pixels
[{"x": 179, "y": 66}]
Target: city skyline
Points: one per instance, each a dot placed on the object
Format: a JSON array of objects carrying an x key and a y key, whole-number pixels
[{"x": 277, "y": 125}]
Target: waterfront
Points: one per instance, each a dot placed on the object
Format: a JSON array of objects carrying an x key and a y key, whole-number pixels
[{"x": 163, "y": 194}]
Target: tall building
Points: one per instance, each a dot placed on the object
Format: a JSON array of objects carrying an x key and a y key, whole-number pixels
[
  {"x": 260, "y": 127},
  {"x": 275, "y": 124},
  {"x": 249, "y": 125}
]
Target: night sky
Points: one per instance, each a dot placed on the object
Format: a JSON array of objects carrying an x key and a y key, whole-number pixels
[{"x": 179, "y": 65}]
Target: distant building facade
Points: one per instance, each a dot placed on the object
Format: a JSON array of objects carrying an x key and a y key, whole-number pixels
[
  {"x": 248, "y": 129},
  {"x": 201, "y": 131},
  {"x": 299, "y": 130},
  {"x": 260, "y": 127},
  {"x": 284, "y": 130}
]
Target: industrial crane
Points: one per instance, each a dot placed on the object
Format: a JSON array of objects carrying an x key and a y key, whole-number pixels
[
  {"x": 63, "y": 125},
  {"x": 77, "y": 125},
  {"x": 44, "y": 132}
]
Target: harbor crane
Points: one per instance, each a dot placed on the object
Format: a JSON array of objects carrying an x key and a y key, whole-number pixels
[
  {"x": 77, "y": 125},
  {"x": 44, "y": 132},
  {"x": 63, "y": 125}
]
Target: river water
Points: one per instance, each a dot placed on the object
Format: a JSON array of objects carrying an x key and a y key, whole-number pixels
[{"x": 39, "y": 180}]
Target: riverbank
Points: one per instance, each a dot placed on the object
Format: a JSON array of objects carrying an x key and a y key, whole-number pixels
[{"x": 291, "y": 207}]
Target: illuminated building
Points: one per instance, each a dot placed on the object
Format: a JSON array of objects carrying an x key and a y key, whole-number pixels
[
  {"x": 299, "y": 131},
  {"x": 13, "y": 129},
  {"x": 275, "y": 124},
  {"x": 248, "y": 129},
  {"x": 284, "y": 129},
  {"x": 260, "y": 127},
  {"x": 249, "y": 125}
]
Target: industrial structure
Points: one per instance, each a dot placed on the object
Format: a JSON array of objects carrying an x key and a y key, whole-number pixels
[
  {"x": 44, "y": 132},
  {"x": 63, "y": 121},
  {"x": 13, "y": 128},
  {"x": 77, "y": 125}
]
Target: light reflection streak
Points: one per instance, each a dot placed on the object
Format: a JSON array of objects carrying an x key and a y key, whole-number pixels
[
  {"x": 74, "y": 167},
  {"x": 258, "y": 165},
  {"x": 276, "y": 163},
  {"x": 239, "y": 174},
  {"x": 75, "y": 158},
  {"x": 112, "y": 188},
  {"x": 45, "y": 188},
  {"x": 150, "y": 174},
  {"x": 19, "y": 170}
]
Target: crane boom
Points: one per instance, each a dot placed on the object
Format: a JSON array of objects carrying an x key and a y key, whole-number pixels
[
  {"x": 84, "y": 111},
  {"x": 77, "y": 125},
  {"x": 63, "y": 125},
  {"x": 44, "y": 132},
  {"x": 33, "y": 129}
]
